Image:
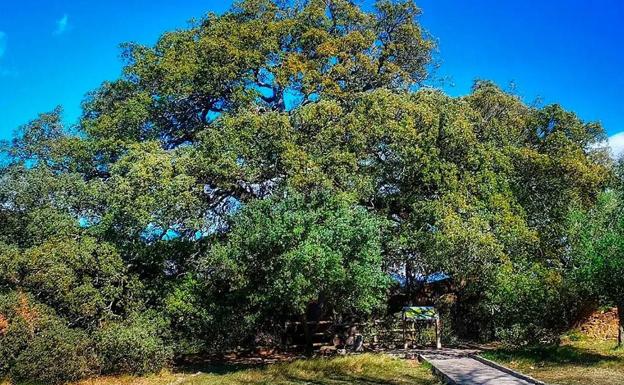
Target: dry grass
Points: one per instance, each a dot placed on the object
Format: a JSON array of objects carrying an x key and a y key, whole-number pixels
[
  {"x": 164, "y": 378},
  {"x": 366, "y": 369},
  {"x": 587, "y": 361}
]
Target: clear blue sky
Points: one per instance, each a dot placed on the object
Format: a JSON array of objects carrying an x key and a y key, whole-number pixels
[{"x": 568, "y": 51}]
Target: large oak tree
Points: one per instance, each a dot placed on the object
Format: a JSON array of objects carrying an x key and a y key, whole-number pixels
[{"x": 138, "y": 207}]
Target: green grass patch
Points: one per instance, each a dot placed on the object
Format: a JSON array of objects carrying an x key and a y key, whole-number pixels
[
  {"x": 365, "y": 369},
  {"x": 574, "y": 362}
]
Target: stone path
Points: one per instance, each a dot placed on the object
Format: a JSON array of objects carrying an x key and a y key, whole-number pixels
[{"x": 457, "y": 368}]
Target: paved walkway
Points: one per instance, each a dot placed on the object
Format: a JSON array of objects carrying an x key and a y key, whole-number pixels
[{"x": 459, "y": 369}]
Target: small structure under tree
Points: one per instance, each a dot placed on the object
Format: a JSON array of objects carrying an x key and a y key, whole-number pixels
[{"x": 414, "y": 317}]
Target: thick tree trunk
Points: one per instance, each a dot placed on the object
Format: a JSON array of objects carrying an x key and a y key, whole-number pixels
[{"x": 620, "y": 310}]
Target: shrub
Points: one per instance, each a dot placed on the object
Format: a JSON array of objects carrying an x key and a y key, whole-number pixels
[
  {"x": 135, "y": 346},
  {"x": 55, "y": 355},
  {"x": 23, "y": 321},
  {"x": 527, "y": 304}
]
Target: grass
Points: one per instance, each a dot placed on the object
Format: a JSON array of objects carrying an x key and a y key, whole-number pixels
[
  {"x": 164, "y": 378},
  {"x": 366, "y": 369},
  {"x": 584, "y": 361}
]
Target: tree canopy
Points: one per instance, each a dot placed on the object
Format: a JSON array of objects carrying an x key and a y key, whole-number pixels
[{"x": 275, "y": 156}]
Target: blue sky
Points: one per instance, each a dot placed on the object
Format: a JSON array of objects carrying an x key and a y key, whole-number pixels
[{"x": 571, "y": 52}]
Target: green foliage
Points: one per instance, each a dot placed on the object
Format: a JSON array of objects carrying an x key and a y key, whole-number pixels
[
  {"x": 20, "y": 318},
  {"x": 55, "y": 355},
  {"x": 140, "y": 182},
  {"x": 133, "y": 346},
  {"x": 598, "y": 254},
  {"x": 282, "y": 155},
  {"x": 283, "y": 254},
  {"x": 526, "y": 303},
  {"x": 36, "y": 344},
  {"x": 83, "y": 279}
]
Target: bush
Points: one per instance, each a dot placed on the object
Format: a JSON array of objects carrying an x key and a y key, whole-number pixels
[
  {"x": 36, "y": 344},
  {"x": 55, "y": 355},
  {"x": 135, "y": 346},
  {"x": 528, "y": 304},
  {"x": 14, "y": 337}
]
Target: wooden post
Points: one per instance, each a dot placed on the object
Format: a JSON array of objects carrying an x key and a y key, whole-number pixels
[
  {"x": 404, "y": 333},
  {"x": 438, "y": 328},
  {"x": 309, "y": 347},
  {"x": 620, "y": 311}
]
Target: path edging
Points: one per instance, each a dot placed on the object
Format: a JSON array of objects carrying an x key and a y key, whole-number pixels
[
  {"x": 506, "y": 369},
  {"x": 437, "y": 372}
]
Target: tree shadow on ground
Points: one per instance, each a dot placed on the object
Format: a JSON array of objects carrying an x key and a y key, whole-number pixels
[
  {"x": 215, "y": 367},
  {"x": 224, "y": 364}
]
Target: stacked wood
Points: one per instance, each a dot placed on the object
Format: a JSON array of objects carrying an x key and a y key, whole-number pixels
[
  {"x": 601, "y": 324},
  {"x": 4, "y": 324}
]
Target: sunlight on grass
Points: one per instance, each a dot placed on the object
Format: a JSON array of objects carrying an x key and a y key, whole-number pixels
[
  {"x": 353, "y": 370},
  {"x": 164, "y": 378},
  {"x": 586, "y": 361},
  {"x": 363, "y": 369}
]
